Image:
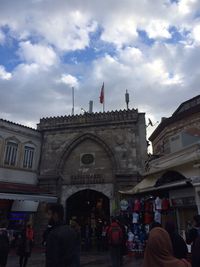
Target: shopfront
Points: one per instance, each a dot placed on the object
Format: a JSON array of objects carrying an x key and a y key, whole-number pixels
[
  {"x": 18, "y": 209},
  {"x": 142, "y": 212},
  {"x": 183, "y": 202},
  {"x": 154, "y": 202}
]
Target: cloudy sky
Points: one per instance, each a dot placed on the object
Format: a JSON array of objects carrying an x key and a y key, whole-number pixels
[{"x": 150, "y": 47}]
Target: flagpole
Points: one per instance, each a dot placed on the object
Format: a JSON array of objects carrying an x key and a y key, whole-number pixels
[
  {"x": 104, "y": 98},
  {"x": 72, "y": 101}
]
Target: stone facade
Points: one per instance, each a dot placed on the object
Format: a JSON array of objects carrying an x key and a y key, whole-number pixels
[
  {"x": 113, "y": 142},
  {"x": 185, "y": 119}
]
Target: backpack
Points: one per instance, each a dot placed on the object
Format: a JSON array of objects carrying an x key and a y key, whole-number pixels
[{"x": 115, "y": 235}]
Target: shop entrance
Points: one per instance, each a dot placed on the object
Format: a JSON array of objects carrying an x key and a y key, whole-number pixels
[{"x": 88, "y": 205}]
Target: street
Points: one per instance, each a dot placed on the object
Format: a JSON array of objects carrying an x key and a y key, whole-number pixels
[{"x": 91, "y": 259}]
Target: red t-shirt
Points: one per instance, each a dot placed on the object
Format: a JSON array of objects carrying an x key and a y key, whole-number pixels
[
  {"x": 137, "y": 206},
  {"x": 148, "y": 218},
  {"x": 165, "y": 204},
  {"x": 148, "y": 206}
]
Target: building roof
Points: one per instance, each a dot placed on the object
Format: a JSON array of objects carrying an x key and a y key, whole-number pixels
[
  {"x": 89, "y": 119},
  {"x": 186, "y": 109},
  {"x": 188, "y": 105},
  {"x": 17, "y": 124}
]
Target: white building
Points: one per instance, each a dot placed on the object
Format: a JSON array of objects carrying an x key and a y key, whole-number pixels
[{"x": 20, "y": 195}]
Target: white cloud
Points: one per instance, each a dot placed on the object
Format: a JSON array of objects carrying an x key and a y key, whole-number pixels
[
  {"x": 2, "y": 37},
  {"x": 69, "y": 80},
  {"x": 36, "y": 53},
  {"x": 158, "y": 29},
  {"x": 158, "y": 76},
  {"x": 196, "y": 33},
  {"x": 120, "y": 33},
  {"x": 67, "y": 25},
  {"x": 186, "y": 6},
  {"x": 4, "y": 75}
]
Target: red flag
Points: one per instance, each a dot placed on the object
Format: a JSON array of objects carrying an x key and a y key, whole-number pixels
[{"x": 101, "y": 98}]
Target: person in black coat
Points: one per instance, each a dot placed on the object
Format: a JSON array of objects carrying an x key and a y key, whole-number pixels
[
  {"x": 4, "y": 245},
  {"x": 179, "y": 246},
  {"x": 61, "y": 247},
  {"x": 75, "y": 226}
]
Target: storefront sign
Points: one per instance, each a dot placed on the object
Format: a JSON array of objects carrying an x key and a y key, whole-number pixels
[
  {"x": 25, "y": 206},
  {"x": 124, "y": 204},
  {"x": 87, "y": 179},
  {"x": 186, "y": 201}
]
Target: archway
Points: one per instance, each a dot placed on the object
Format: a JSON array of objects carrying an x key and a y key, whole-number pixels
[
  {"x": 80, "y": 139},
  {"x": 88, "y": 206}
]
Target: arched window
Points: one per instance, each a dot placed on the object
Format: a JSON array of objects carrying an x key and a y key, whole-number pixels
[
  {"x": 11, "y": 152},
  {"x": 29, "y": 150}
]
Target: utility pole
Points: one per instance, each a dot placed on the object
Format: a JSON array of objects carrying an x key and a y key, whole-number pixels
[{"x": 127, "y": 99}]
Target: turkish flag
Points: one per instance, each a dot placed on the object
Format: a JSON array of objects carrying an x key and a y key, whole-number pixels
[{"x": 101, "y": 98}]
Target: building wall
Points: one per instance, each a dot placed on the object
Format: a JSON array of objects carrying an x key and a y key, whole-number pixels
[
  {"x": 161, "y": 142},
  {"x": 22, "y": 136}
]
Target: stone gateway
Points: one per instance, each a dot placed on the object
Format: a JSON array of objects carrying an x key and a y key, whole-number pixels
[{"x": 88, "y": 158}]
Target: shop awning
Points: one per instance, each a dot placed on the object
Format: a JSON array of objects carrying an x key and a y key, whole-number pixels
[
  {"x": 148, "y": 185},
  {"x": 145, "y": 184},
  {"x": 16, "y": 191},
  {"x": 40, "y": 198}
]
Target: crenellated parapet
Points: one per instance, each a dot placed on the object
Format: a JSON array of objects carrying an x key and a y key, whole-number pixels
[{"x": 89, "y": 119}]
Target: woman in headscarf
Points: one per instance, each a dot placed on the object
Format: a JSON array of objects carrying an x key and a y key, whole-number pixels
[{"x": 159, "y": 252}]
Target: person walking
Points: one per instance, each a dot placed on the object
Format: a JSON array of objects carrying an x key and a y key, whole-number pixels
[
  {"x": 4, "y": 245},
  {"x": 61, "y": 241},
  {"x": 75, "y": 226},
  {"x": 193, "y": 238},
  {"x": 87, "y": 235},
  {"x": 159, "y": 251},
  {"x": 98, "y": 233},
  {"x": 45, "y": 235},
  {"x": 104, "y": 236},
  {"x": 124, "y": 250},
  {"x": 115, "y": 239},
  {"x": 25, "y": 244},
  {"x": 180, "y": 250}
]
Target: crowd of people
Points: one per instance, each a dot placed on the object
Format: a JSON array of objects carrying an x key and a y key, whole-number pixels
[{"x": 164, "y": 247}]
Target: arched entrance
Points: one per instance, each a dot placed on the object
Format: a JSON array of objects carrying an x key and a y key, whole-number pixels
[{"x": 88, "y": 205}]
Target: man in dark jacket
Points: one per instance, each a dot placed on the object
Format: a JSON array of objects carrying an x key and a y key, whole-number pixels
[
  {"x": 193, "y": 238},
  {"x": 61, "y": 241},
  {"x": 4, "y": 244}
]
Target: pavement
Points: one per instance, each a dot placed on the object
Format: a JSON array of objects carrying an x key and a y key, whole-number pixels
[{"x": 90, "y": 259}]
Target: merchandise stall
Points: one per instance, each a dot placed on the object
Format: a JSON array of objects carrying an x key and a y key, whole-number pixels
[{"x": 142, "y": 212}]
